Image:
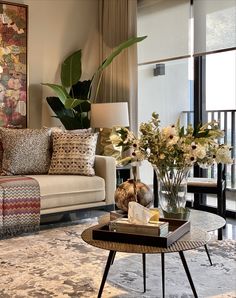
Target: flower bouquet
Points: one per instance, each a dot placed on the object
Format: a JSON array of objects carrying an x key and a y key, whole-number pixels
[{"x": 172, "y": 151}]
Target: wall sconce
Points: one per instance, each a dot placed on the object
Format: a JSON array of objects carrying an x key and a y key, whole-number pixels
[{"x": 159, "y": 70}]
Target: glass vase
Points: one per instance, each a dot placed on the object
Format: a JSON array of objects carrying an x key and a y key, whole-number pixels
[{"x": 172, "y": 190}]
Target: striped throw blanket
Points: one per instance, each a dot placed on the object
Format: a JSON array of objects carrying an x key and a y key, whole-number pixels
[{"x": 19, "y": 205}]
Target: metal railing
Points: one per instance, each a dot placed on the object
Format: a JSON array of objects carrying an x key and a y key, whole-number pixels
[{"x": 227, "y": 122}]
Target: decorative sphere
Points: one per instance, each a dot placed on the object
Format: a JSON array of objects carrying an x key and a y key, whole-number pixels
[{"x": 125, "y": 194}]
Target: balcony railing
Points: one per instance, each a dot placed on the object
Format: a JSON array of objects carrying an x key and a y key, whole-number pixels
[{"x": 227, "y": 122}]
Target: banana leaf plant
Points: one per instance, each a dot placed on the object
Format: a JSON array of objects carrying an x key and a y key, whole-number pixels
[{"x": 72, "y": 104}]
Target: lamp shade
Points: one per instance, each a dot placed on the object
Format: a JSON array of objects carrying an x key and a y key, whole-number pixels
[{"x": 107, "y": 115}]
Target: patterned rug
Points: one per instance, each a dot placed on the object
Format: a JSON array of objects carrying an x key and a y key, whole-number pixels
[{"x": 57, "y": 263}]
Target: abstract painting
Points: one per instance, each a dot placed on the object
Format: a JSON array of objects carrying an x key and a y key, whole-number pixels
[{"x": 13, "y": 65}]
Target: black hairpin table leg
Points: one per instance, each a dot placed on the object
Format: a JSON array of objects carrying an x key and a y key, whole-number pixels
[
  {"x": 220, "y": 234},
  {"x": 113, "y": 258},
  {"x": 144, "y": 272},
  {"x": 110, "y": 259},
  {"x": 188, "y": 273},
  {"x": 163, "y": 273},
  {"x": 207, "y": 252}
]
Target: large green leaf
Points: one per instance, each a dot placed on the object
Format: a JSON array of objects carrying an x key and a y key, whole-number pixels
[
  {"x": 85, "y": 106},
  {"x": 72, "y": 122},
  {"x": 71, "y": 69},
  {"x": 60, "y": 91},
  {"x": 110, "y": 58},
  {"x": 119, "y": 49},
  {"x": 68, "y": 118},
  {"x": 58, "y": 108},
  {"x": 73, "y": 102},
  {"x": 81, "y": 89}
]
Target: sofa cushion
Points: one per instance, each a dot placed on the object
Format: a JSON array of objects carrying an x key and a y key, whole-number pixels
[
  {"x": 68, "y": 190},
  {"x": 25, "y": 151},
  {"x": 73, "y": 153}
]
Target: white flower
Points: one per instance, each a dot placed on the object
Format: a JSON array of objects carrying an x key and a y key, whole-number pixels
[
  {"x": 172, "y": 140},
  {"x": 168, "y": 132},
  {"x": 223, "y": 155},
  {"x": 189, "y": 159},
  {"x": 115, "y": 139},
  {"x": 200, "y": 152}
]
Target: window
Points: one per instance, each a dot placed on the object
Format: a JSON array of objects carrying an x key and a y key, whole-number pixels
[{"x": 206, "y": 34}]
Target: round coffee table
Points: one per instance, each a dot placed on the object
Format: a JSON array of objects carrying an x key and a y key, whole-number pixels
[
  {"x": 193, "y": 239},
  {"x": 206, "y": 221}
]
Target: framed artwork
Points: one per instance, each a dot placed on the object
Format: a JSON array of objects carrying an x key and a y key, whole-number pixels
[{"x": 13, "y": 65}]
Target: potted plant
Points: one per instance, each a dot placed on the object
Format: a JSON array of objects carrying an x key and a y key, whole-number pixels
[{"x": 72, "y": 104}]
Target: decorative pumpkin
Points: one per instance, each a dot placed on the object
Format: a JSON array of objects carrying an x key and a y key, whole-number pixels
[{"x": 132, "y": 190}]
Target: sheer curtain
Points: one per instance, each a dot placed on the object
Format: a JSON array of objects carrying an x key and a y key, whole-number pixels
[{"x": 117, "y": 23}]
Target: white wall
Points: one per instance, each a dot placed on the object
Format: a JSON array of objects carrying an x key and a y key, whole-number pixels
[
  {"x": 167, "y": 95},
  {"x": 56, "y": 28}
]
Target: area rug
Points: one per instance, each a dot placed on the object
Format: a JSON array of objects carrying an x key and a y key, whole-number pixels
[{"x": 57, "y": 263}]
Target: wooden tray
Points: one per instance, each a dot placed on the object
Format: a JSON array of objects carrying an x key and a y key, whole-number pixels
[{"x": 177, "y": 228}]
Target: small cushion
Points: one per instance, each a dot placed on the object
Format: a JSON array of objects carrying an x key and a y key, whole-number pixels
[
  {"x": 202, "y": 182},
  {"x": 25, "y": 151},
  {"x": 73, "y": 153}
]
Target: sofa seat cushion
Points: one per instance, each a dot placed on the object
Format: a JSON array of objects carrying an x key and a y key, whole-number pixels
[{"x": 69, "y": 190}]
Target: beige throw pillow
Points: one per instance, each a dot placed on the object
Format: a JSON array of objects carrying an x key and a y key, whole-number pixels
[
  {"x": 25, "y": 151},
  {"x": 73, "y": 153}
]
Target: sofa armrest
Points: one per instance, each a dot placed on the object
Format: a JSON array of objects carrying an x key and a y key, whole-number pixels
[{"x": 105, "y": 167}]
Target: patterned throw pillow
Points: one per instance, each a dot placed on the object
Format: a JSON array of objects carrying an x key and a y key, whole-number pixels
[
  {"x": 73, "y": 153},
  {"x": 25, "y": 151}
]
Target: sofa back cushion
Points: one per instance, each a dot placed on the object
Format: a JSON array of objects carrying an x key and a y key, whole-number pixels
[
  {"x": 25, "y": 151},
  {"x": 73, "y": 153}
]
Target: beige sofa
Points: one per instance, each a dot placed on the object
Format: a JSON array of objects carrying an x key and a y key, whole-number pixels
[{"x": 60, "y": 193}]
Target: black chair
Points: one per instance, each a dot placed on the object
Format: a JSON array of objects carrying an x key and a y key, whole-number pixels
[{"x": 211, "y": 186}]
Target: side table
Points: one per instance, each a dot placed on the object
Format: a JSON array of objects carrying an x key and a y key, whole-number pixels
[{"x": 122, "y": 174}]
